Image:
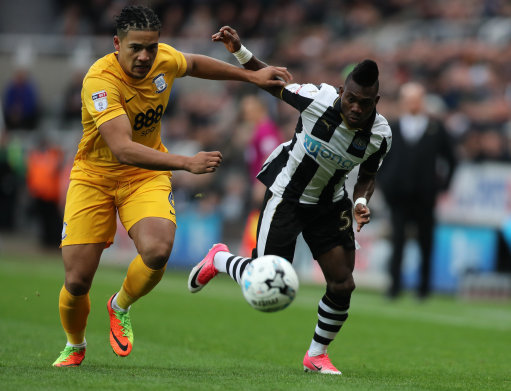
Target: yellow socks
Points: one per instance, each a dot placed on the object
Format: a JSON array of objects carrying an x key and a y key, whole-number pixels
[
  {"x": 139, "y": 281},
  {"x": 74, "y": 311}
]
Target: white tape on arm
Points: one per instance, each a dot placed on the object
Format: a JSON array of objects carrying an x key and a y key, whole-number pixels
[
  {"x": 243, "y": 55},
  {"x": 360, "y": 200}
]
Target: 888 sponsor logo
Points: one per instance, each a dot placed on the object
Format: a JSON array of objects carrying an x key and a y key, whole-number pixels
[{"x": 148, "y": 120}]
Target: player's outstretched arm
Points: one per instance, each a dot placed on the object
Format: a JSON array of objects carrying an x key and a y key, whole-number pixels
[
  {"x": 118, "y": 137},
  {"x": 230, "y": 38},
  {"x": 210, "y": 68}
]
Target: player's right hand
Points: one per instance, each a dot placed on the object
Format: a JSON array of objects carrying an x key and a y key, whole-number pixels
[
  {"x": 271, "y": 76},
  {"x": 204, "y": 162},
  {"x": 229, "y": 37}
]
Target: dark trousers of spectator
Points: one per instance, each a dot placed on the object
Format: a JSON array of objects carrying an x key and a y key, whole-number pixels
[
  {"x": 403, "y": 215},
  {"x": 8, "y": 194},
  {"x": 50, "y": 222},
  {"x": 7, "y": 209}
]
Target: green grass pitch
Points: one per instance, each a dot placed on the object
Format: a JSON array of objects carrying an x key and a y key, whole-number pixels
[{"x": 213, "y": 340}]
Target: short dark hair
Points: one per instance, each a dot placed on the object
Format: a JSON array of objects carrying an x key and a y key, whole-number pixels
[
  {"x": 136, "y": 18},
  {"x": 365, "y": 74}
]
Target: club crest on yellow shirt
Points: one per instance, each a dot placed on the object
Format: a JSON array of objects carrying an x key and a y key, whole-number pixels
[
  {"x": 160, "y": 83},
  {"x": 64, "y": 234}
]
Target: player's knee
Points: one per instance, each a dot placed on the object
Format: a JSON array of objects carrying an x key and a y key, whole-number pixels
[
  {"x": 156, "y": 254},
  {"x": 341, "y": 288},
  {"x": 78, "y": 286}
]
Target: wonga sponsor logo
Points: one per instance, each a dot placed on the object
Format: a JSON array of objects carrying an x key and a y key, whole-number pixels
[{"x": 315, "y": 149}]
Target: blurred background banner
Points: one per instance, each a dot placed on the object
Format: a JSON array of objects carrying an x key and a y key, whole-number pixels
[
  {"x": 195, "y": 235},
  {"x": 459, "y": 50},
  {"x": 461, "y": 251},
  {"x": 479, "y": 195}
]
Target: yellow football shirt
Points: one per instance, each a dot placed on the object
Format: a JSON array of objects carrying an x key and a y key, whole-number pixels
[{"x": 108, "y": 92}]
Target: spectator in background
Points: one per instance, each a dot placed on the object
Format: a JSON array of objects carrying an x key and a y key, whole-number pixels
[
  {"x": 410, "y": 180},
  {"x": 264, "y": 138},
  {"x": 20, "y": 102},
  {"x": 72, "y": 21},
  {"x": 43, "y": 182},
  {"x": 72, "y": 111},
  {"x": 493, "y": 146}
]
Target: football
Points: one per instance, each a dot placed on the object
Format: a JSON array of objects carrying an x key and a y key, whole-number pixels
[{"x": 269, "y": 283}]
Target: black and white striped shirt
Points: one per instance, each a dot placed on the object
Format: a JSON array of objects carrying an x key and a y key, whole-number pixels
[{"x": 313, "y": 166}]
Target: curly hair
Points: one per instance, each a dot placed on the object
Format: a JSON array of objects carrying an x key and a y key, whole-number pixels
[{"x": 136, "y": 18}]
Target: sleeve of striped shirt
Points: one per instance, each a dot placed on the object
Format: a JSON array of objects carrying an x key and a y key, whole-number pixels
[
  {"x": 373, "y": 162},
  {"x": 299, "y": 96}
]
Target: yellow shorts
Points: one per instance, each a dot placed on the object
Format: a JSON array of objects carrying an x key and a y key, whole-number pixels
[{"x": 92, "y": 202}]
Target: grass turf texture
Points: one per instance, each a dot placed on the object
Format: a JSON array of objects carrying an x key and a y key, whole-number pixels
[{"x": 213, "y": 340}]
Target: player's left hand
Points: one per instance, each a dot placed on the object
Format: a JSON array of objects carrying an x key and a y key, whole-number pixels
[
  {"x": 203, "y": 162},
  {"x": 362, "y": 215},
  {"x": 229, "y": 37}
]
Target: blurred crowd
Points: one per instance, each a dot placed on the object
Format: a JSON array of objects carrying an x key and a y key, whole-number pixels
[{"x": 460, "y": 50}]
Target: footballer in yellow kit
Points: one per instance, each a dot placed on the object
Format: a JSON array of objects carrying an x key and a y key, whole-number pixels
[
  {"x": 121, "y": 166},
  {"x": 107, "y": 93}
]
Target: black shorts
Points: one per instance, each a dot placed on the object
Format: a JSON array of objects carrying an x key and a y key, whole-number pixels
[{"x": 323, "y": 227}]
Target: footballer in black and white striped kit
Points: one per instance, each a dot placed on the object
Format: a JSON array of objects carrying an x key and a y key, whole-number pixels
[
  {"x": 310, "y": 170},
  {"x": 337, "y": 130},
  {"x": 312, "y": 167}
]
